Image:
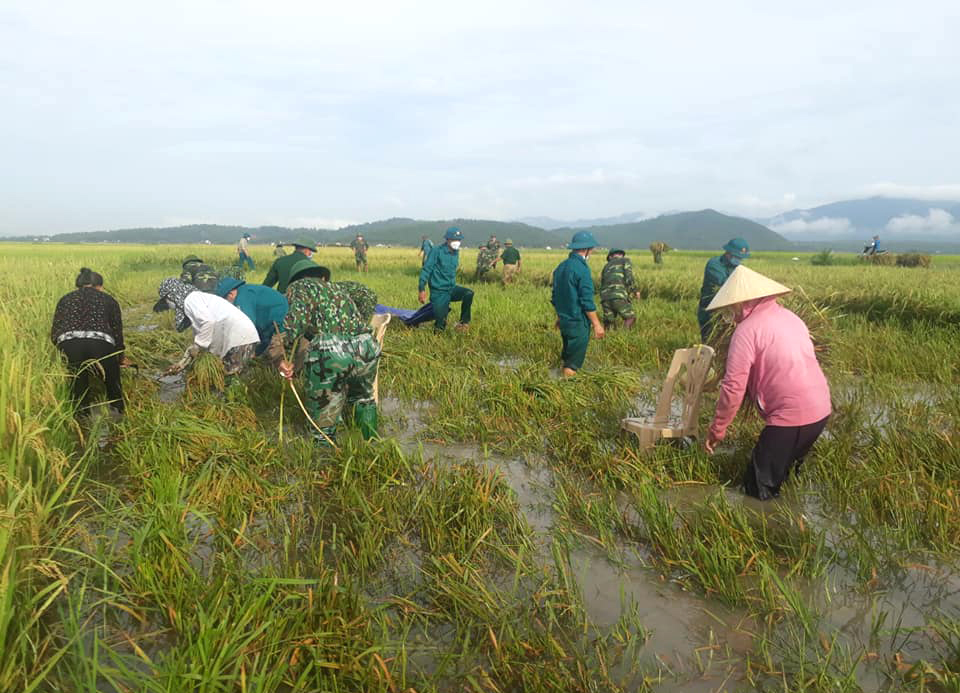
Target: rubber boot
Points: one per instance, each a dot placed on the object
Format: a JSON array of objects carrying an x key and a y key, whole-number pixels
[
  {"x": 628, "y": 323},
  {"x": 365, "y": 415}
]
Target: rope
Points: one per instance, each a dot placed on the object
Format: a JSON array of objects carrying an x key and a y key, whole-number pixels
[{"x": 304, "y": 410}]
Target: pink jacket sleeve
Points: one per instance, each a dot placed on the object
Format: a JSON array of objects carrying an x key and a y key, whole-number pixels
[{"x": 737, "y": 375}]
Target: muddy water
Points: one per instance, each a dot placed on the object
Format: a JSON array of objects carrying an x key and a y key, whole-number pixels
[
  {"x": 171, "y": 387},
  {"x": 694, "y": 644}
]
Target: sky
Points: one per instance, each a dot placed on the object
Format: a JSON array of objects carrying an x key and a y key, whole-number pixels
[{"x": 126, "y": 114}]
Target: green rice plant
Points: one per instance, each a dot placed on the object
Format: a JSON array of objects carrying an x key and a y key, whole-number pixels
[
  {"x": 913, "y": 260},
  {"x": 823, "y": 258}
]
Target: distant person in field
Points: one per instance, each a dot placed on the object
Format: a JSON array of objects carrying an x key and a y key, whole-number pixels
[
  {"x": 573, "y": 301},
  {"x": 873, "y": 247},
  {"x": 218, "y": 326},
  {"x": 487, "y": 257},
  {"x": 426, "y": 245},
  {"x": 88, "y": 330},
  {"x": 199, "y": 274},
  {"x": 617, "y": 288},
  {"x": 714, "y": 275},
  {"x": 278, "y": 250},
  {"x": 360, "y": 248},
  {"x": 265, "y": 307},
  {"x": 340, "y": 363},
  {"x": 772, "y": 361},
  {"x": 657, "y": 249},
  {"x": 279, "y": 273},
  {"x": 439, "y": 272},
  {"x": 511, "y": 262},
  {"x": 243, "y": 255}
]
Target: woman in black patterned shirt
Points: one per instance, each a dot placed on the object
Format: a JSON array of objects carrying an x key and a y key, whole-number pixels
[{"x": 88, "y": 327}]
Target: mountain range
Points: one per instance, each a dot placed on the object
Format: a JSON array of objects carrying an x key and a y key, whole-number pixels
[
  {"x": 705, "y": 229},
  {"x": 900, "y": 222}
]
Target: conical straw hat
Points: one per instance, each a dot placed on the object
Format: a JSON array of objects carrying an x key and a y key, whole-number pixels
[{"x": 745, "y": 285}]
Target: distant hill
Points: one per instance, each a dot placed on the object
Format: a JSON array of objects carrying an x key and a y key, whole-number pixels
[
  {"x": 898, "y": 221},
  {"x": 193, "y": 233},
  {"x": 475, "y": 231},
  {"x": 706, "y": 229},
  {"x": 551, "y": 224}
]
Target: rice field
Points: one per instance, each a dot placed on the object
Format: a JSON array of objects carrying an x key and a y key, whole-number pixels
[{"x": 501, "y": 535}]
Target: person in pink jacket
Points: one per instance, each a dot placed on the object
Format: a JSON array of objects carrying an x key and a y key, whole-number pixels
[{"x": 771, "y": 360}]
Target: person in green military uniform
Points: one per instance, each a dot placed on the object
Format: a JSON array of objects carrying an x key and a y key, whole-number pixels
[
  {"x": 439, "y": 272},
  {"x": 573, "y": 300},
  {"x": 362, "y": 296},
  {"x": 487, "y": 257},
  {"x": 714, "y": 275},
  {"x": 342, "y": 355},
  {"x": 360, "y": 248},
  {"x": 511, "y": 262},
  {"x": 617, "y": 287},
  {"x": 279, "y": 273},
  {"x": 278, "y": 250},
  {"x": 199, "y": 274}
]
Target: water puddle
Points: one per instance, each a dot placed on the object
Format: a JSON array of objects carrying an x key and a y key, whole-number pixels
[{"x": 171, "y": 387}]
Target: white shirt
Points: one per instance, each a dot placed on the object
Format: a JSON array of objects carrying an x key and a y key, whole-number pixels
[{"x": 218, "y": 325}]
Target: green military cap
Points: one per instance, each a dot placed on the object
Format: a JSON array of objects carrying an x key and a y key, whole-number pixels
[
  {"x": 308, "y": 268},
  {"x": 616, "y": 251},
  {"x": 305, "y": 243},
  {"x": 508, "y": 242},
  {"x": 191, "y": 258}
]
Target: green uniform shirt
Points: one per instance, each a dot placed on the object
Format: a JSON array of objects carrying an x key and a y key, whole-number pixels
[
  {"x": 616, "y": 280},
  {"x": 359, "y": 247},
  {"x": 440, "y": 269},
  {"x": 573, "y": 291},
  {"x": 714, "y": 275},
  {"x": 200, "y": 275},
  {"x": 279, "y": 273},
  {"x": 362, "y": 296},
  {"x": 320, "y": 308},
  {"x": 510, "y": 256}
]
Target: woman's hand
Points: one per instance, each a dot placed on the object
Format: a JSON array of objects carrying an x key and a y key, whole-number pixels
[{"x": 286, "y": 370}]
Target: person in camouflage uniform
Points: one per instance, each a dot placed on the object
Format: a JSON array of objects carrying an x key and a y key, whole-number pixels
[
  {"x": 617, "y": 287},
  {"x": 363, "y": 297},
  {"x": 360, "y": 248},
  {"x": 487, "y": 257},
  {"x": 658, "y": 248},
  {"x": 342, "y": 357},
  {"x": 199, "y": 274},
  {"x": 279, "y": 250}
]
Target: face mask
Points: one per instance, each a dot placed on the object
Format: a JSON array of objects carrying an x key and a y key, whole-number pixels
[
  {"x": 455, "y": 245},
  {"x": 734, "y": 260}
]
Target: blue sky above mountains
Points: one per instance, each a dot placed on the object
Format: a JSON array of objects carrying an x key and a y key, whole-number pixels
[{"x": 303, "y": 113}]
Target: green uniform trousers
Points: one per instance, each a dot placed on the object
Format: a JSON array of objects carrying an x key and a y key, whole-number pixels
[
  {"x": 441, "y": 300},
  {"x": 613, "y": 307},
  {"x": 575, "y": 337},
  {"x": 339, "y": 371}
]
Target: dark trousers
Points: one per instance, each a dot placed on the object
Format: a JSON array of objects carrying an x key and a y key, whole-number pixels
[
  {"x": 82, "y": 356},
  {"x": 576, "y": 338},
  {"x": 776, "y": 451},
  {"x": 245, "y": 260},
  {"x": 441, "y": 301}
]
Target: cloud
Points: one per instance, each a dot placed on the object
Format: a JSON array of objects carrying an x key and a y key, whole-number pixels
[
  {"x": 936, "y": 221},
  {"x": 596, "y": 177},
  {"x": 947, "y": 191},
  {"x": 823, "y": 225},
  {"x": 756, "y": 206}
]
